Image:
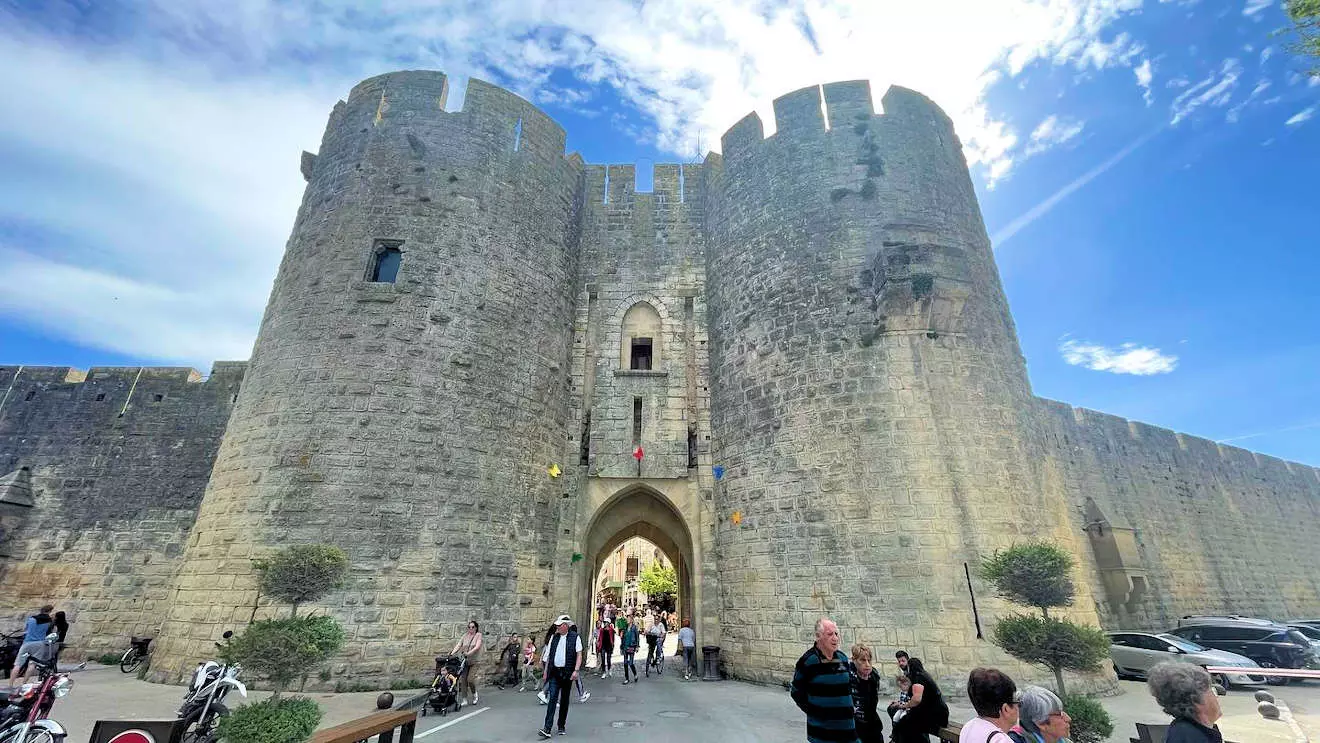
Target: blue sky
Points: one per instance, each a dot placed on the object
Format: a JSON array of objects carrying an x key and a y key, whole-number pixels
[{"x": 1146, "y": 169}]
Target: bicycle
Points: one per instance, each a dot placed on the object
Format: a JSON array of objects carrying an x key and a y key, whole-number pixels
[{"x": 134, "y": 656}]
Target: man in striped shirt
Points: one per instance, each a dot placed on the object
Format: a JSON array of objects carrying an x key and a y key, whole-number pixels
[{"x": 821, "y": 688}]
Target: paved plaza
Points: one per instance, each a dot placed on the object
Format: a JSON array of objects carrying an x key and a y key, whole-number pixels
[{"x": 658, "y": 709}]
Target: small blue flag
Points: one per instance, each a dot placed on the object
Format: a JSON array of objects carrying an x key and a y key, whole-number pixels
[{"x": 718, "y": 471}]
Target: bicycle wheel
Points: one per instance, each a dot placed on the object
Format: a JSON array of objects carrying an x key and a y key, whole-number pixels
[{"x": 131, "y": 660}]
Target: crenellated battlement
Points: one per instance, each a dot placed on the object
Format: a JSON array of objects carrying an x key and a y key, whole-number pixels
[
  {"x": 616, "y": 184},
  {"x": 844, "y": 109},
  {"x": 116, "y": 389}
]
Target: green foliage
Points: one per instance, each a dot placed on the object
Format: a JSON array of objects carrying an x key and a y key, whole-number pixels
[
  {"x": 1057, "y": 644},
  {"x": 402, "y": 684},
  {"x": 110, "y": 659},
  {"x": 284, "y": 650},
  {"x": 288, "y": 720},
  {"x": 1090, "y": 721},
  {"x": 302, "y": 573},
  {"x": 922, "y": 285},
  {"x": 354, "y": 686},
  {"x": 657, "y": 581},
  {"x": 1036, "y": 574},
  {"x": 1305, "y": 15}
]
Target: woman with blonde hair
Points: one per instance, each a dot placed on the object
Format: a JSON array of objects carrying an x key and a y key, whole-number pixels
[{"x": 865, "y": 683}]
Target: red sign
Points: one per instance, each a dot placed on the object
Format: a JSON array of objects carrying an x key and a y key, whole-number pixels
[
  {"x": 133, "y": 736},
  {"x": 637, "y": 453}
]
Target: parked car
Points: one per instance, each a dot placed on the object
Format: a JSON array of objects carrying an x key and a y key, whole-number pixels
[
  {"x": 1271, "y": 645},
  {"x": 1133, "y": 654},
  {"x": 1311, "y": 631}
]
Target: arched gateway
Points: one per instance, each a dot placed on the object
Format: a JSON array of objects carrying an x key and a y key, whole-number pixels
[{"x": 664, "y": 512}]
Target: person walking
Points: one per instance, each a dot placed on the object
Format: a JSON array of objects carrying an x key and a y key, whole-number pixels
[
  {"x": 469, "y": 645},
  {"x": 606, "y": 645},
  {"x": 61, "y": 627},
  {"x": 561, "y": 663},
  {"x": 631, "y": 639},
  {"x": 927, "y": 711},
  {"x": 820, "y": 688},
  {"x": 1187, "y": 694},
  {"x": 34, "y": 643},
  {"x": 865, "y": 686},
  {"x": 994, "y": 697},
  {"x": 687, "y": 645}
]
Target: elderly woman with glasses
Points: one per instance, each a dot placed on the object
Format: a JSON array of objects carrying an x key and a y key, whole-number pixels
[
  {"x": 1186, "y": 693},
  {"x": 1041, "y": 718}
]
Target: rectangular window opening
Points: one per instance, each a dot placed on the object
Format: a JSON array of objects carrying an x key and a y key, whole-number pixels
[
  {"x": 31, "y": 394},
  {"x": 637, "y": 421},
  {"x": 517, "y": 134},
  {"x": 584, "y": 449},
  {"x": 158, "y": 398},
  {"x": 641, "y": 354},
  {"x": 824, "y": 110},
  {"x": 607, "y": 184},
  {"x": 692, "y": 447},
  {"x": 385, "y": 261},
  {"x": 100, "y": 397}
]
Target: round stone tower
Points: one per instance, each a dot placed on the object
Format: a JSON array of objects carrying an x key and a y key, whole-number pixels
[
  {"x": 869, "y": 401},
  {"x": 405, "y": 395}
]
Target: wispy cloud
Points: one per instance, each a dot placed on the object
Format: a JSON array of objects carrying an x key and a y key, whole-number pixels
[
  {"x": 1052, "y": 132},
  {"x": 1254, "y": 8},
  {"x": 1214, "y": 91},
  {"x": 1128, "y": 358},
  {"x": 1286, "y": 429},
  {"x": 1021, "y": 222},
  {"x": 1144, "y": 77},
  {"x": 1235, "y": 112},
  {"x": 1301, "y": 117}
]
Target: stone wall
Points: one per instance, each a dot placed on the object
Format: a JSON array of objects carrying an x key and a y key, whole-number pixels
[
  {"x": 869, "y": 400},
  {"x": 1216, "y": 529},
  {"x": 114, "y": 462},
  {"x": 411, "y": 423}
]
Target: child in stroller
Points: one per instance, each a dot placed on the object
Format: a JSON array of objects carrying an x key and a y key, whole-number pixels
[{"x": 444, "y": 689}]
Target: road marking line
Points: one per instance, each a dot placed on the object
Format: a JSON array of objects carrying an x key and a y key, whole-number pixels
[{"x": 455, "y": 721}]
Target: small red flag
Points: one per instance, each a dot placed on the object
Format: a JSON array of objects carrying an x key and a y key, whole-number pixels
[{"x": 637, "y": 453}]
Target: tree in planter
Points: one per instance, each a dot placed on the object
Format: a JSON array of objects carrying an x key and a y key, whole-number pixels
[
  {"x": 284, "y": 650},
  {"x": 1039, "y": 575}
]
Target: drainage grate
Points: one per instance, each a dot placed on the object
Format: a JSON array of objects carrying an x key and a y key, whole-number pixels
[{"x": 626, "y": 724}]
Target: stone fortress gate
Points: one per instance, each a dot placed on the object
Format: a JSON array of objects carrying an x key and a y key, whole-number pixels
[{"x": 471, "y": 333}]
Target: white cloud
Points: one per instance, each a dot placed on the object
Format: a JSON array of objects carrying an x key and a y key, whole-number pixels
[
  {"x": 1266, "y": 53},
  {"x": 1053, "y": 132},
  {"x": 1144, "y": 78},
  {"x": 1235, "y": 112},
  {"x": 1253, "y": 8},
  {"x": 1214, "y": 91},
  {"x": 162, "y": 163},
  {"x": 1128, "y": 358},
  {"x": 1301, "y": 117}
]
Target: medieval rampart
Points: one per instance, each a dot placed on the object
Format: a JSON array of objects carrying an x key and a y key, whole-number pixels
[{"x": 101, "y": 476}]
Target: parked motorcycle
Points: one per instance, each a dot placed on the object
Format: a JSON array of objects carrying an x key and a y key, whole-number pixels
[
  {"x": 9, "y": 645},
  {"x": 203, "y": 704},
  {"x": 25, "y": 714}
]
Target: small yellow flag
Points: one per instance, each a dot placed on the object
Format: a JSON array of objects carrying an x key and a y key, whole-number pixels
[
  {"x": 554, "y": 470},
  {"x": 736, "y": 518}
]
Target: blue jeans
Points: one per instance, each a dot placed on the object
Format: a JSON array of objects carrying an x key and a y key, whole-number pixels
[
  {"x": 558, "y": 690},
  {"x": 687, "y": 659}
]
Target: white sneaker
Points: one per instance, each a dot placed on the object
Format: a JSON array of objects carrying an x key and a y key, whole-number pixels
[
  {"x": 474, "y": 697},
  {"x": 544, "y": 699},
  {"x": 583, "y": 699}
]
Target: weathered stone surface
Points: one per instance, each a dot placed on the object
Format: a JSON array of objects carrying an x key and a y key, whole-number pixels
[{"x": 826, "y": 324}]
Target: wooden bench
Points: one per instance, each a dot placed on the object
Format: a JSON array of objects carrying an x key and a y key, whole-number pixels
[
  {"x": 381, "y": 723},
  {"x": 949, "y": 733}
]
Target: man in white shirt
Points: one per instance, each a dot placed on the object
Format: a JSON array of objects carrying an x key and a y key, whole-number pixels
[
  {"x": 687, "y": 645},
  {"x": 560, "y": 663}
]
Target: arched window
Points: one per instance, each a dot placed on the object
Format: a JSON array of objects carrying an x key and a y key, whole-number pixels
[
  {"x": 640, "y": 347},
  {"x": 386, "y": 258}
]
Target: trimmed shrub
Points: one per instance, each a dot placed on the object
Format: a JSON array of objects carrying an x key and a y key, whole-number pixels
[
  {"x": 302, "y": 573},
  {"x": 1037, "y": 574},
  {"x": 287, "y": 720},
  {"x": 1090, "y": 721},
  {"x": 284, "y": 650}
]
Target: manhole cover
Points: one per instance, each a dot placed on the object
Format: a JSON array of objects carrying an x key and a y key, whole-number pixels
[
  {"x": 674, "y": 713},
  {"x": 626, "y": 724}
]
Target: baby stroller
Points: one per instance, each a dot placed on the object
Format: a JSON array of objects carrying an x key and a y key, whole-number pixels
[{"x": 444, "y": 692}]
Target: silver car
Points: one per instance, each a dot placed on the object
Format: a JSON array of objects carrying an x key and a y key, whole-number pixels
[{"x": 1134, "y": 653}]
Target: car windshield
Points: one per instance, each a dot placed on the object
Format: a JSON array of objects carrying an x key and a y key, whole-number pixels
[
  {"x": 1181, "y": 644},
  {"x": 1310, "y": 632}
]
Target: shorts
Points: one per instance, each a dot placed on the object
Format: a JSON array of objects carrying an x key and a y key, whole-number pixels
[{"x": 37, "y": 650}]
